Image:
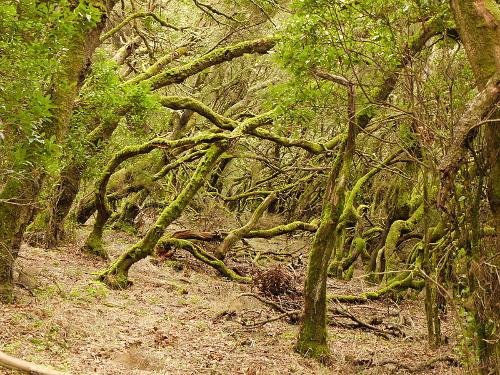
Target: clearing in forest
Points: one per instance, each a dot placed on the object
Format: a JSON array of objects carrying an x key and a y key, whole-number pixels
[{"x": 180, "y": 317}]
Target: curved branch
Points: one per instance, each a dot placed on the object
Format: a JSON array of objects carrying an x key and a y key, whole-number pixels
[
  {"x": 127, "y": 20},
  {"x": 205, "y": 257},
  {"x": 217, "y": 56},
  {"x": 237, "y": 234}
]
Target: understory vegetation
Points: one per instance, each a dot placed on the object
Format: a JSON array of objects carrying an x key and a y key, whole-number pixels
[{"x": 226, "y": 133}]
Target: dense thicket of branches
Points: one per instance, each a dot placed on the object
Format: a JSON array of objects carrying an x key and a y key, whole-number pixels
[{"x": 372, "y": 125}]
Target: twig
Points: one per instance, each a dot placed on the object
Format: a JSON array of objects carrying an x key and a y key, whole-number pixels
[
  {"x": 265, "y": 301},
  {"x": 273, "y": 319},
  {"x": 422, "y": 366}
]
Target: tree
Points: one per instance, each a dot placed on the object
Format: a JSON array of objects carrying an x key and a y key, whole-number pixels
[
  {"x": 76, "y": 37},
  {"x": 478, "y": 24}
]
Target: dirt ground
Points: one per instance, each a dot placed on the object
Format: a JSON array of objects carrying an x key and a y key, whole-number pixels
[{"x": 180, "y": 317}]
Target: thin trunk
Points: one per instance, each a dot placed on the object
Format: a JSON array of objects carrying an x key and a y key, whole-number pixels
[{"x": 116, "y": 275}]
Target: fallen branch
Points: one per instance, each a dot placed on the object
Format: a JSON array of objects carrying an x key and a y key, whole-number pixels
[
  {"x": 347, "y": 314},
  {"x": 293, "y": 313},
  {"x": 422, "y": 366},
  {"x": 298, "y": 314},
  {"x": 13, "y": 363},
  {"x": 265, "y": 301}
]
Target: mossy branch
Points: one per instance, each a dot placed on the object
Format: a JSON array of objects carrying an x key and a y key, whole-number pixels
[
  {"x": 161, "y": 63},
  {"x": 177, "y": 162},
  {"x": 395, "y": 231},
  {"x": 135, "y": 150},
  {"x": 283, "y": 229},
  {"x": 255, "y": 193},
  {"x": 132, "y": 17},
  {"x": 203, "y": 256},
  {"x": 177, "y": 102},
  {"x": 215, "y": 57},
  {"x": 401, "y": 282},
  {"x": 237, "y": 234},
  {"x": 349, "y": 210}
]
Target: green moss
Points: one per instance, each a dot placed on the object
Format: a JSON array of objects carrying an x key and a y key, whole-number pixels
[
  {"x": 94, "y": 245},
  {"x": 217, "y": 56},
  {"x": 308, "y": 346}
]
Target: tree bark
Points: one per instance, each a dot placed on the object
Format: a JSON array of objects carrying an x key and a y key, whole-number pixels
[
  {"x": 478, "y": 23},
  {"x": 116, "y": 276},
  {"x": 19, "y": 197}
]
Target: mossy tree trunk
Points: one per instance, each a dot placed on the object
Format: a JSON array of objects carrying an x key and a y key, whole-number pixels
[
  {"x": 312, "y": 339},
  {"x": 116, "y": 276},
  {"x": 478, "y": 23},
  {"x": 19, "y": 194},
  {"x": 117, "y": 273},
  {"x": 66, "y": 189},
  {"x": 15, "y": 214}
]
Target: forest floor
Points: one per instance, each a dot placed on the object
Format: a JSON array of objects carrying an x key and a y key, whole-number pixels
[{"x": 180, "y": 317}]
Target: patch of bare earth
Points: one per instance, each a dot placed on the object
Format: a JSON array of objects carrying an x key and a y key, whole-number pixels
[{"x": 180, "y": 317}]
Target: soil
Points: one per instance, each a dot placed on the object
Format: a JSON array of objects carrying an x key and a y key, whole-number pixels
[{"x": 180, "y": 317}]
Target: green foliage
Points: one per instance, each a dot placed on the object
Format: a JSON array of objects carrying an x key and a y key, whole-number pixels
[
  {"x": 142, "y": 103},
  {"x": 35, "y": 37}
]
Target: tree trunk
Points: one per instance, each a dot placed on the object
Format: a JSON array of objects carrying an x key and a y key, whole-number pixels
[
  {"x": 18, "y": 197},
  {"x": 116, "y": 276},
  {"x": 14, "y": 217},
  {"x": 478, "y": 23}
]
